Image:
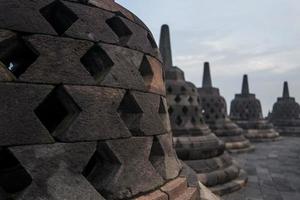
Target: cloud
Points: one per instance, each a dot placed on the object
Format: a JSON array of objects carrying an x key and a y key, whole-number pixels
[{"x": 260, "y": 38}]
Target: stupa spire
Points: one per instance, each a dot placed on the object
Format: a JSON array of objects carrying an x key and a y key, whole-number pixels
[
  {"x": 165, "y": 46},
  {"x": 245, "y": 85},
  {"x": 286, "y": 92},
  {"x": 206, "y": 81}
]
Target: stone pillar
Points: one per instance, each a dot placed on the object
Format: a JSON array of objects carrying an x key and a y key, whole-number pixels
[{"x": 165, "y": 46}]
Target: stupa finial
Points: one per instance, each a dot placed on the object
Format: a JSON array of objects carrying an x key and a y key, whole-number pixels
[
  {"x": 286, "y": 92},
  {"x": 165, "y": 46},
  {"x": 206, "y": 82},
  {"x": 245, "y": 85}
]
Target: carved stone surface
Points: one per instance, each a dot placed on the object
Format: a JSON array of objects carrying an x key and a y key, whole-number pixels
[
  {"x": 246, "y": 111},
  {"x": 214, "y": 110},
  {"x": 194, "y": 142},
  {"x": 286, "y": 114},
  {"x": 83, "y": 106}
]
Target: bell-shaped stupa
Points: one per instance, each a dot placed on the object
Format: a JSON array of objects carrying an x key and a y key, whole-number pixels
[
  {"x": 194, "y": 142},
  {"x": 214, "y": 110},
  {"x": 286, "y": 114},
  {"x": 246, "y": 111},
  {"x": 84, "y": 113}
]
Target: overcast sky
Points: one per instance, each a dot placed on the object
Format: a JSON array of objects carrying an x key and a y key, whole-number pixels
[{"x": 258, "y": 37}]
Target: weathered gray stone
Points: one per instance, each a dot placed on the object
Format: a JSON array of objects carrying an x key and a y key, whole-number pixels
[
  {"x": 125, "y": 174},
  {"x": 84, "y": 112},
  {"x": 56, "y": 171},
  {"x": 19, "y": 123}
]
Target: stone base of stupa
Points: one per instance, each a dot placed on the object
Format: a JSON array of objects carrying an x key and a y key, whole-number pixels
[
  {"x": 232, "y": 135},
  {"x": 220, "y": 174},
  {"x": 177, "y": 189},
  {"x": 259, "y": 131},
  {"x": 205, "y": 155},
  {"x": 288, "y": 127}
]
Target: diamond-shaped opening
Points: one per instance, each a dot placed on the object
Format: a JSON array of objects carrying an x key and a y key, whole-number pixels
[
  {"x": 13, "y": 177},
  {"x": 177, "y": 99},
  {"x": 131, "y": 113},
  {"x": 163, "y": 113},
  {"x": 191, "y": 100},
  {"x": 170, "y": 110},
  {"x": 120, "y": 28},
  {"x": 17, "y": 55},
  {"x": 146, "y": 71},
  {"x": 58, "y": 111},
  {"x": 157, "y": 156},
  {"x": 120, "y": 14},
  {"x": 162, "y": 107},
  {"x": 185, "y": 110},
  {"x": 201, "y": 120},
  {"x": 169, "y": 89},
  {"x": 101, "y": 169},
  {"x": 97, "y": 62},
  {"x": 152, "y": 41},
  {"x": 183, "y": 89},
  {"x": 59, "y": 16},
  {"x": 178, "y": 120},
  {"x": 193, "y": 120}
]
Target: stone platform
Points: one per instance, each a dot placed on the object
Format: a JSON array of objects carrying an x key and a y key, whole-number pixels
[{"x": 274, "y": 171}]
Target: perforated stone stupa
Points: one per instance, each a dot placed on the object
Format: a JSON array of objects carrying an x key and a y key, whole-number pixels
[
  {"x": 194, "y": 142},
  {"x": 246, "y": 111},
  {"x": 83, "y": 106},
  {"x": 214, "y": 110},
  {"x": 286, "y": 114}
]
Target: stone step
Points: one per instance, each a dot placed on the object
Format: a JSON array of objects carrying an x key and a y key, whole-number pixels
[
  {"x": 156, "y": 195},
  {"x": 251, "y": 148},
  {"x": 220, "y": 176},
  {"x": 231, "y": 186},
  {"x": 175, "y": 188},
  {"x": 190, "y": 194}
]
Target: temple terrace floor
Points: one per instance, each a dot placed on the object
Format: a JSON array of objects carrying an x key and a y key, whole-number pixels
[{"x": 274, "y": 171}]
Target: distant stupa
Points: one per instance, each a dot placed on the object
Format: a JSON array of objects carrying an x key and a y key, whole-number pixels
[
  {"x": 286, "y": 114},
  {"x": 246, "y": 111},
  {"x": 194, "y": 142},
  {"x": 214, "y": 110}
]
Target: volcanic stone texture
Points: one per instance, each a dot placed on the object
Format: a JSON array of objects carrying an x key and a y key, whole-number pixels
[
  {"x": 273, "y": 171},
  {"x": 194, "y": 142},
  {"x": 246, "y": 111},
  {"x": 214, "y": 110},
  {"x": 286, "y": 114},
  {"x": 84, "y": 112}
]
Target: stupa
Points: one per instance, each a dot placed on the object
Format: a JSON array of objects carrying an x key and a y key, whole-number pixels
[
  {"x": 246, "y": 111},
  {"x": 214, "y": 110},
  {"x": 194, "y": 142},
  {"x": 84, "y": 112},
  {"x": 286, "y": 114}
]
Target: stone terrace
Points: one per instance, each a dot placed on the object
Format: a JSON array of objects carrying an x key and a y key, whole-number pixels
[{"x": 274, "y": 171}]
